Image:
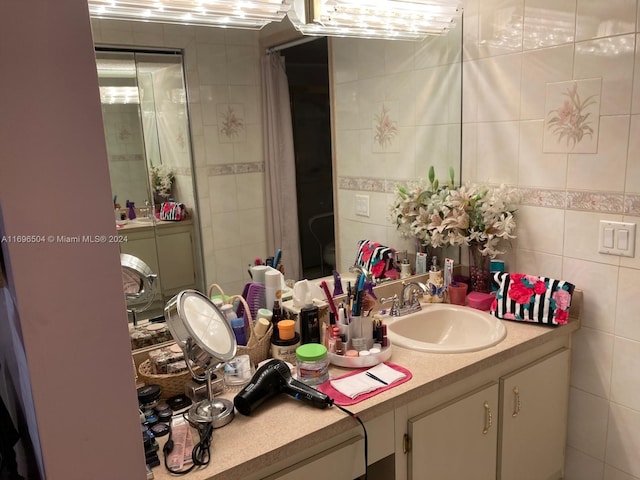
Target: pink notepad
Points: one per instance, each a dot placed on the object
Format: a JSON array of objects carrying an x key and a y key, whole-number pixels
[{"x": 343, "y": 400}]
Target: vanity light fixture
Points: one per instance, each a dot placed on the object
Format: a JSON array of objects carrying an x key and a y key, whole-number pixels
[
  {"x": 384, "y": 19},
  {"x": 250, "y": 14}
]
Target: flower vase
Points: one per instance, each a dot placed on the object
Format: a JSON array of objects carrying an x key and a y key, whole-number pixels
[{"x": 479, "y": 266}]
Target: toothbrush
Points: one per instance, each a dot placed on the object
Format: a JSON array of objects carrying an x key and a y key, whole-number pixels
[
  {"x": 332, "y": 304},
  {"x": 276, "y": 259}
]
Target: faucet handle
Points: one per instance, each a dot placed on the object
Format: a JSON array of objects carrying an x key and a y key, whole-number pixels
[{"x": 395, "y": 307}]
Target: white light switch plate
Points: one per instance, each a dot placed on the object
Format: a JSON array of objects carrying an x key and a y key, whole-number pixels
[
  {"x": 362, "y": 205},
  {"x": 617, "y": 238}
]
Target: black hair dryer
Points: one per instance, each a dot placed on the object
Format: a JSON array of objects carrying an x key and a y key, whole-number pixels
[{"x": 272, "y": 378}]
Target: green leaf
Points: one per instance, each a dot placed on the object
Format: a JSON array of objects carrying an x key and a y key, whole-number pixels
[
  {"x": 432, "y": 174},
  {"x": 452, "y": 177},
  {"x": 435, "y": 185}
]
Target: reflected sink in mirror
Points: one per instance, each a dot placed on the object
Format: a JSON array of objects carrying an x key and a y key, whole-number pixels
[
  {"x": 444, "y": 328},
  {"x": 349, "y": 277},
  {"x": 144, "y": 220}
]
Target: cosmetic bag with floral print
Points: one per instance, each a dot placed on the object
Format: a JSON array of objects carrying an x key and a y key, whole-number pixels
[
  {"x": 173, "y": 211},
  {"x": 376, "y": 259},
  {"x": 529, "y": 298}
]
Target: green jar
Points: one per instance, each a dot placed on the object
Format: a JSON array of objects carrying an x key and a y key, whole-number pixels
[{"x": 313, "y": 364}]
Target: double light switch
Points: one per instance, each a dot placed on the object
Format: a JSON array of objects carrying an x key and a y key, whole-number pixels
[{"x": 617, "y": 238}]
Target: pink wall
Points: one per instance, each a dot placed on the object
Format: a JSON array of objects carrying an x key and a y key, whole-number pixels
[{"x": 54, "y": 180}]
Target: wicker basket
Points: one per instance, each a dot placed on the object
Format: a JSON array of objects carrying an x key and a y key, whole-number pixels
[
  {"x": 171, "y": 384},
  {"x": 258, "y": 350}
]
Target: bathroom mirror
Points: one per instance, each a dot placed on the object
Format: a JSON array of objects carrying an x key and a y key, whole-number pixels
[
  {"x": 147, "y": 135},
  {"x": 418, "y": 82}
]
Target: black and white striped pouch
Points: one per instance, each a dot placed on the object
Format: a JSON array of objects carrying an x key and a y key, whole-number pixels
[{"x": 530, "y": 298}]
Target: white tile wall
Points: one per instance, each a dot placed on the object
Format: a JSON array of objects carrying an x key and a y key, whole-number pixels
[
  {"x": 587, "y": 432},
  {"x": 564, "y": 40}
]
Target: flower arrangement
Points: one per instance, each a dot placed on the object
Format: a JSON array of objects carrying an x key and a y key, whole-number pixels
[
  {"x": 162, "y": 180},
  {"x": 440, "y": 216}
]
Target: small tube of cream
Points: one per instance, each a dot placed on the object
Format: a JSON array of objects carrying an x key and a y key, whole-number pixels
[{"x": 448, "y": 271}]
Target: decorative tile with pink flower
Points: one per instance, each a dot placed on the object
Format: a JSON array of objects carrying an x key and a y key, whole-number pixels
[
  {"x": 231, "y": 122},
  {"x": 385, "y": 128},
  {"x": 572, "y": 116}
]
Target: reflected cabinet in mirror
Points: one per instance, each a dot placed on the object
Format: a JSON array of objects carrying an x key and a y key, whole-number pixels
[
  {"x": 146, "y": 127},
  {"x": 393, "y": 110}
]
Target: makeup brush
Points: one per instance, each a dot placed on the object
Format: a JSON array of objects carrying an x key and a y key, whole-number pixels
[{"x": 368, "y": 304}]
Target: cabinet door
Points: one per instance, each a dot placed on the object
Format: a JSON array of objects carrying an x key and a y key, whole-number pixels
[
  {"x": 175, "y": 251},
  {"x": 458, "y": 440},
  {"x": 142, "y": 246},
  {"x": 342, "y": 462},
  {"x": 534, "y": 420}
]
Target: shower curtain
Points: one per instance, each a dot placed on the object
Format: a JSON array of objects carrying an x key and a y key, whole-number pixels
[{"x": 279, "y": 161}]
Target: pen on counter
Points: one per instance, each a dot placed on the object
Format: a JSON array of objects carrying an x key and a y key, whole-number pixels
[{"x": 378, "y": 379}]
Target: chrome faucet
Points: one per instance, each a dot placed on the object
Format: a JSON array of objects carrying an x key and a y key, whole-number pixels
[
  {"x": 410, "y": 293},
  {"x": 408, "y": 301}
]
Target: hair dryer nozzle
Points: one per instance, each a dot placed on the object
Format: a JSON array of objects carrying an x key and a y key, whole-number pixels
[{"x": 272, "y": 378}]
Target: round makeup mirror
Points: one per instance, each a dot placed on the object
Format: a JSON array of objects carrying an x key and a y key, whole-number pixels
[
  {"x": 139, "y": 284},
  {"x": 207, "y": 340}
]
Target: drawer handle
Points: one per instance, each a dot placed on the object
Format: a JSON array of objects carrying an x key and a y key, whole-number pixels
[
  {"x": 488, "y": 418},
  {"x": 516, "y": 402}
]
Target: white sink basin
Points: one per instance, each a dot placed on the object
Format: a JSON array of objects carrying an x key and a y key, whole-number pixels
[
  {"x": 444, "y": 328},
  {"x": 349, "y": 277},
  {"x": 144, "y": 220}
]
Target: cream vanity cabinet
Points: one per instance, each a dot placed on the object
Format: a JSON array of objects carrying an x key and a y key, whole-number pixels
[
  {"x": 533, "y": 421},
  {"x": 169, "y": 252},
  {"x": 511, "y": 428},
  {"x": 342, "y": 457},
  {"x": 457, "y": 440}
]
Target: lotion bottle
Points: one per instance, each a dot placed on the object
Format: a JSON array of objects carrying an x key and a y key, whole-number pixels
[
  {"x": 435, "y": 284},
  {"x": 405, "y": 267}
]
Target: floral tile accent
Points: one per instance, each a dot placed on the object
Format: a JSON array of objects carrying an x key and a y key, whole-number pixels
[
  {"x": 234, "y": 169},
  {"x": 543, "y": 198},
  {"x": 599, "y": 202},
  {"x": 231, "y": 124},
  {"x": 595, "y": 201},
  {"x": 385, "y": 128},
  {"x": 632, "y": 204},
  {"x": 374, "y": 185},
  {"x": 127, "y": 157},
  {"x": 181, "y": 139},
  {"x": 124, "y": 133},
  {"x": 573, "y": 116}
]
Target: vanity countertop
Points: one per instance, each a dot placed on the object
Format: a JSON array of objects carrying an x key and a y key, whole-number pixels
[
  {"x": 283, "y": 425},
  {"x": 137, "y": 226}
]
